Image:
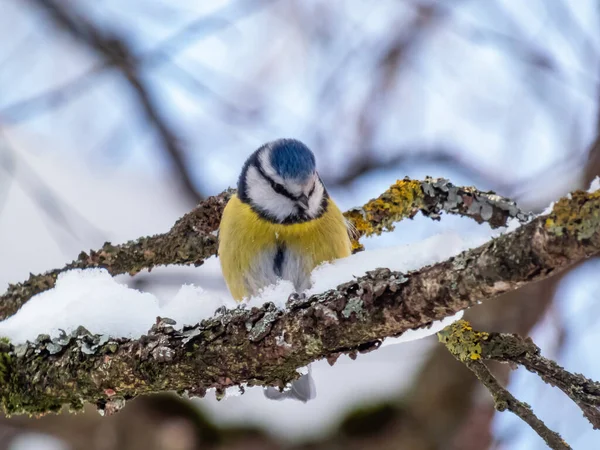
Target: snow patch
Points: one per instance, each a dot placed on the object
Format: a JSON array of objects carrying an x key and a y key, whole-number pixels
[
  {"x": 36, "y": 441},
  {"x": 421, "y": 333},
  {"x": 93, "y": 299}
]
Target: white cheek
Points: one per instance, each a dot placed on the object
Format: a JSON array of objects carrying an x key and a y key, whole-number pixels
[
  {"x": 262, "y": 194},
  {"x": 293, "y": 187},
  {"x": 314, "y": 202}
]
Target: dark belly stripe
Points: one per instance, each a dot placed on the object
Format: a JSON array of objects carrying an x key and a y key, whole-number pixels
[{"x": 278, "y": 261}]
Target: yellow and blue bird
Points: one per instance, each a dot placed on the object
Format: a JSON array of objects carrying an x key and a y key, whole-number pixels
[{"x": 280, "y": 225}]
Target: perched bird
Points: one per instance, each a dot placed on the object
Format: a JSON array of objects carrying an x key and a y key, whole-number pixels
[{"x": 280, "y": 225}]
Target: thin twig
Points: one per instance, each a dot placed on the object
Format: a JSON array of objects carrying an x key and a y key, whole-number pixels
[
  {"x": 504, "y": 400},
  {"x": 467, "y": 345}
]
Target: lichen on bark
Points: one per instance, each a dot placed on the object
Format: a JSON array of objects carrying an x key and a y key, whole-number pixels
[
  {"x": 575, "y": 215},
  {"x": 193, "y": 238},
  {"x": 264, "y": 346}
]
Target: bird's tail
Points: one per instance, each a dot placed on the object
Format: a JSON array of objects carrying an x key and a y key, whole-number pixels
[{"x": 303, "y": 389}]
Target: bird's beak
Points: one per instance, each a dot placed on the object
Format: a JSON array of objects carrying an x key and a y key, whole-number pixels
[{"x": 303, "y": 200}]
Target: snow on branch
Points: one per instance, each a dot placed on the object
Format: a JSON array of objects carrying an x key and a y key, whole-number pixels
[
  {"x": 266, "y": 345},
  {"x": 193, "y": 238}
]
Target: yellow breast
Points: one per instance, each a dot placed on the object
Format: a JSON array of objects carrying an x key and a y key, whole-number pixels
[{"x": 244, "y": 236}]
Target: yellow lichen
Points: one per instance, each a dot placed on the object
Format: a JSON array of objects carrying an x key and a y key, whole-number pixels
[
  {"x": 403, "y": 199},
  {"x": 462, "y": 341},
  {"x": 577, "y": 216}
]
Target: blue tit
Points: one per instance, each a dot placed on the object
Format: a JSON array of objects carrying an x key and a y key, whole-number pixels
[{"x": 280, "y": 225}]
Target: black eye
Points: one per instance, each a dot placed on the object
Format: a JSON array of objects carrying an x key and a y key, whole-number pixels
[
  {"x": 279, "y": 189},
  {"x": 276, "y": 186},
  {"x": 312, "y": 190}
]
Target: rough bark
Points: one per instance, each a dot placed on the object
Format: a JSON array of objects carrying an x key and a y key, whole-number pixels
[
  {"x": 469, "y": 345},
  {"x": 265, "y": 346},
  {"x": 190, "y": 241},
  {"x": 504, "y": 400},
  {"x": 193, "y": 238}
]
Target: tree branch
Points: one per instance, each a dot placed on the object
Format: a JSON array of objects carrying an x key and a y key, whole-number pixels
[
  {"x": 504, "y": 400},
  {"x": 265, "y": 346},
  {"x": 468, "y": 345},
  {"x": 116, "y": 53},
  {"x": 193, "y": 237}
]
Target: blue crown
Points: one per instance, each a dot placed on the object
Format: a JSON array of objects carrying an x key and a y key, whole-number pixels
[{"x": 292, "y": 159}]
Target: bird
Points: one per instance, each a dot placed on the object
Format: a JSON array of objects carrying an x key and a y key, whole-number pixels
[{"x": 280, "y": 225}]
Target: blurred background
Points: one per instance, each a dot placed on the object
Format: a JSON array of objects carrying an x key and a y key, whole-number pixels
[{"x": 118, "y": 116}]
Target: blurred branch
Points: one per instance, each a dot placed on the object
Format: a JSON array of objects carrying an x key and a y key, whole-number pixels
[
  {"x": 386, "y": 75},
  {"x": 441, "y": 155},
  {"x": 193, "y": 237},
  {"x": 116, "y": 53},
  {"x": 51, "y": 99},
  {"x": 163, "y": 52},
  {"x": 581, "y": 43},
  {"x": 60, "y": 213},
  {"x": 446, "y": 412},
  {"x": 204, "y": 26}
]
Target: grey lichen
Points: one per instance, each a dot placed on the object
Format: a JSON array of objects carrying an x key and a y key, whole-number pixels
[
  {"x": 262, "y": 328},
  {"x": 354, "y": 306},
  {"x": 442, "y": 195},
  {"x": 263, "y": 345},
  {"x": 190, "y": 334}
]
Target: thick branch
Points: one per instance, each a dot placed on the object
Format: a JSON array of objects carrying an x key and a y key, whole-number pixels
[
  {"x": 468, "y": 345},
  {"x": 193, "y": 237},
  {"x": 190, "y": 241},
  {"x": 264, "y": 346}
]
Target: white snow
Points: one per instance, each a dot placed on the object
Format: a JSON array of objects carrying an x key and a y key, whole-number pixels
[
  {"x": 88, "y": 297},
  {"x": 420, "y": 333},
  {"x": 548, "y": 209},
  {"x": 36, "y": 441},
  {"x": 95, "y": 300},
  {"x": 594, "y": 186},
  {"x": 403, "y": 258}
]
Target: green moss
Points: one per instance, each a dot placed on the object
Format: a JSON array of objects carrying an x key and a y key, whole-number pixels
[{"x": 5, "y": 363}]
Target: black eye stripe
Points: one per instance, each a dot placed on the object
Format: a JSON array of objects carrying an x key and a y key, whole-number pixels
[
  {"x": 276, "y": 186},
  {"x": 312, "y": 190}
]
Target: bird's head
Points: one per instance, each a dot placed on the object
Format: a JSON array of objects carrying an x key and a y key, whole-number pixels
[{"x": 280, "y": 182}]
